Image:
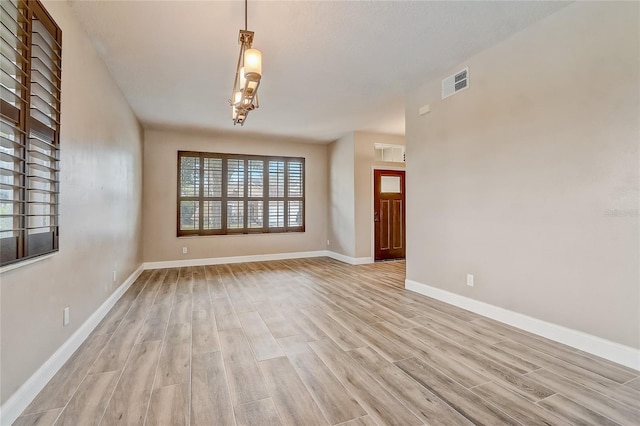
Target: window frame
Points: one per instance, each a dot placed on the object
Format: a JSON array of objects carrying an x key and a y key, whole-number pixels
[
  {"x": 36, "y": 145},
  {"x": 224, "y": 198}
]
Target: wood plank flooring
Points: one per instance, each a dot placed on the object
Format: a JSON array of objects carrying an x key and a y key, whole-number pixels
[{"x": 318, "y": 342}]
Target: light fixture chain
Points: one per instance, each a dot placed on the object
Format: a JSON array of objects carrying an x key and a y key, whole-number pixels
[{"x": 245, "y": 15}]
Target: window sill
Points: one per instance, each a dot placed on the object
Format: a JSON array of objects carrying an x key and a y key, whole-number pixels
[
  {"x": 238, "y": 234},
  {"x": 26, "y": 262}
]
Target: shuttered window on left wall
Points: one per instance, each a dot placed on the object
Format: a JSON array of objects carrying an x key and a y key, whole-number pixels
[{"x": 31, "y": 71}]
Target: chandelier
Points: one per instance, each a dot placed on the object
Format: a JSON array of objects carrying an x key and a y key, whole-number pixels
[{"x": 248, "y": 73}]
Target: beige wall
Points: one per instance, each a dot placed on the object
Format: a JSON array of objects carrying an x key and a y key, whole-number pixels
[
  {"x": 351, "y": 163},
  {"x": 529, "y": 178},
  {"x": 160, "y": 193},
  {"x": 340, "y": 210},
  {"x": 363, "y": 180},
  {"x": 100, "y": 214}
]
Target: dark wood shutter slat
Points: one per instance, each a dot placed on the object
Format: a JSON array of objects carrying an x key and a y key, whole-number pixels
[
  {"x": 282, "y": 195},
  {"x": 31, "y": 117}
]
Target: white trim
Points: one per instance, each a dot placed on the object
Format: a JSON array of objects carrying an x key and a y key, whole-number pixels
[
  {"x": 16, "y": 404},
  {"x": 348, "y": 259},
  {"x": 234, "y": 259},
  {"x": 595, "y": 345},
  {"x": 22, "y": 263},
  {"x": 391, "y": 168},
  {"x": 258, "y": 258}
]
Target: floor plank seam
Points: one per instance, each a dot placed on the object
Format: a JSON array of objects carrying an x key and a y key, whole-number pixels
[
  {"x": 105, "y": 347},
  {"x": 162, "y": 345}
]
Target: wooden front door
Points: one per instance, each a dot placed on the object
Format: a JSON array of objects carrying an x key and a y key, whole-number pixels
[{"x": 389, "y": 214}]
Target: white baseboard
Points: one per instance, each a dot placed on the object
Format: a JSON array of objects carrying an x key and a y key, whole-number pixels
[
  {"x": 233, "y": 259},
  {"x": 257, "y": 258},
  {"x": 606, "y": 349},
  {"x": 16, "y": 404},
  {"x": 348, "y": 259}
]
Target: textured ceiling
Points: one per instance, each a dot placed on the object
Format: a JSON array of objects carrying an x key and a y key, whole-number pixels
[{"x": 329, "y": 67}]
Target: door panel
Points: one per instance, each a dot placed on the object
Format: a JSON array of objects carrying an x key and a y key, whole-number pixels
[
  {"x": 384, "y": 224},
  {"x": 396, "y": 222},
  {"x": 389, "y": 214}
]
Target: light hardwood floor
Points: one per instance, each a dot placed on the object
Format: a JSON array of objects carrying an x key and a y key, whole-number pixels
[{"x": 318, "y": 342}]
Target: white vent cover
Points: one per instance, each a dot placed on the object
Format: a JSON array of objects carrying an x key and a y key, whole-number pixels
[
  {"x": 386, "y": 152},
  {"x": 455, "y": 83}
]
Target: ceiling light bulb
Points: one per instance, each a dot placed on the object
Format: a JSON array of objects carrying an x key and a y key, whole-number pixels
[
  {"x": 252, "y": 64},
  {"x": 243, "y": 80}
]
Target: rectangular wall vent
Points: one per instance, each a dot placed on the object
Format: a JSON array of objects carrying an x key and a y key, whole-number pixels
[
  {"x": 386, "y": 152},
  {"x": 455, "y": 83}
]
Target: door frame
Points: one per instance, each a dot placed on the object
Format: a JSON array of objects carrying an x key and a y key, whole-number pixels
[{"x": 372, "y": 207}]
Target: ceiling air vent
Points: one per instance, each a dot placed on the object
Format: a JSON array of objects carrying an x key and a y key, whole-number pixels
[{"x": 455, "y": 83}]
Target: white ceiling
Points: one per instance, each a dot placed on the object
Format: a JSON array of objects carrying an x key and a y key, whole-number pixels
[{"x": 329, "y": 67}]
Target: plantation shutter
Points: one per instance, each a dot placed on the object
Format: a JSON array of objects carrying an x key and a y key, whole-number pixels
[
  {"x": 29, "y": 132},
  {"x": 221, "y": 194}
]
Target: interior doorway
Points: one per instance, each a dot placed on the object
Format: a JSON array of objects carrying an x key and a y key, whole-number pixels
[{"x": 389, "y": 214}]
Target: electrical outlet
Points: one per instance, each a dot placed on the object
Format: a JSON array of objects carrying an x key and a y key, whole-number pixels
[
  {"x": 470, "y": 280},
  {"x": 114, "y": 275},
  {"x": 185, "y": 250},
  {"x": 65, "y": 316},
  {"x": 328, "y": 242},
  {"x": 425, "y": 109}
]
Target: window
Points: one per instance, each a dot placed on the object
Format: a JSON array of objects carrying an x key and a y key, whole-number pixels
[
  {"x": 239, "y": 194},
  {"x": 31, "y": 58}
]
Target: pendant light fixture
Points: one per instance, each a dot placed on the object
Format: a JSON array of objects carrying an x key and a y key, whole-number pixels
[{"x": 248, "y": 75}]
